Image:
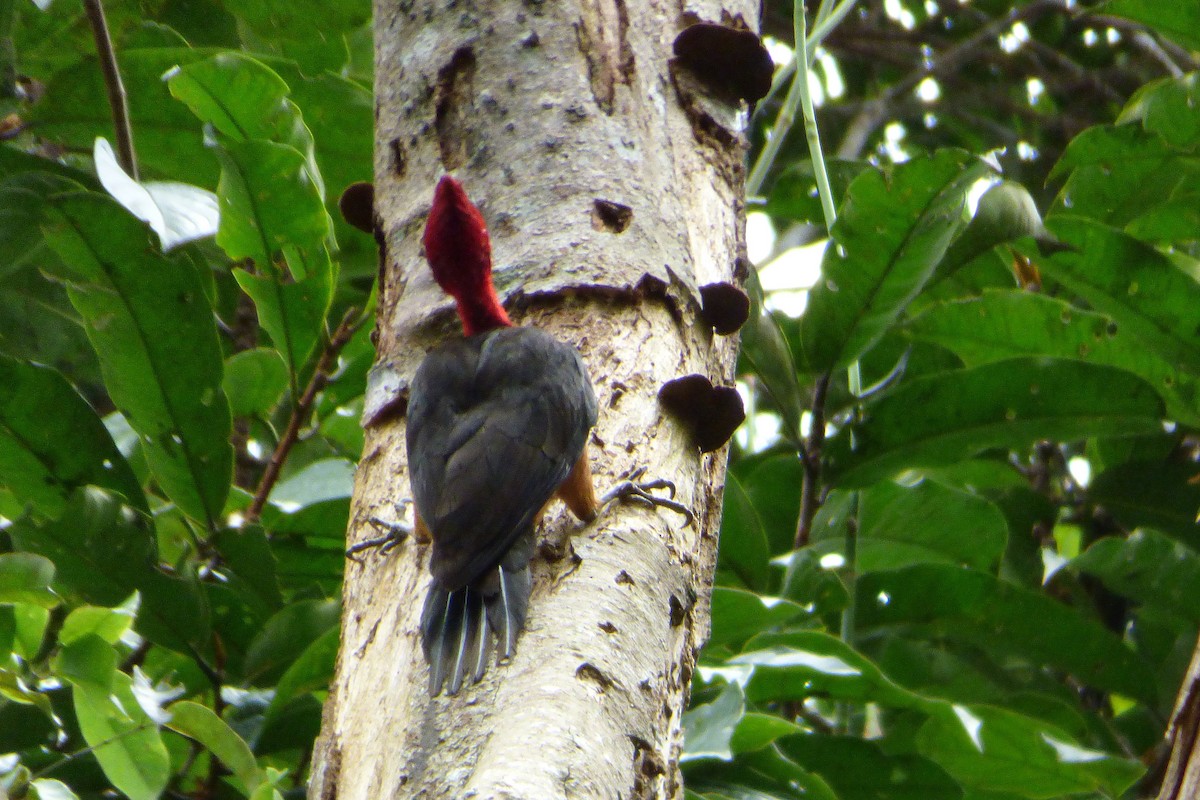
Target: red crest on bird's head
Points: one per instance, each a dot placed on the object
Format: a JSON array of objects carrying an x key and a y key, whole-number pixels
[{"x": 459, "y": 252}]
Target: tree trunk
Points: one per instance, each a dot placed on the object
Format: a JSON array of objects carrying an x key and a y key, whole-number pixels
[
  {"x": 1182, "y": 779},
  {"x": 612, "y": 186}
]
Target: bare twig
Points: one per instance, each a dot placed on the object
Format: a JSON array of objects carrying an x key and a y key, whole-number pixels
[
  {"x": 118, "y": 101},
  {"x": 875, "y": 111},
  {"x": 810, "y": 488},
  {"x": 302, "y": 409}
]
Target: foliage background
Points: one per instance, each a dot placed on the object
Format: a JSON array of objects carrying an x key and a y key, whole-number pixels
[{"x": 981, "y": 583}]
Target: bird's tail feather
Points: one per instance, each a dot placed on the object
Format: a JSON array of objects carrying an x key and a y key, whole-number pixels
[{"x": 457, "y": 627}]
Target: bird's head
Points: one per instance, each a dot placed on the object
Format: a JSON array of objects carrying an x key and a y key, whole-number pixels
[{"x": 460, "y": 256}]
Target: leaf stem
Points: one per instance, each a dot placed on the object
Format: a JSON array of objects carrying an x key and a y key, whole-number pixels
[
  {"x": 118, "y": 101},
  {"x": 302, "y": 409}
]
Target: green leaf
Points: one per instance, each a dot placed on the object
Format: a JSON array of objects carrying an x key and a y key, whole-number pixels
[
  {"x": 773, "y": 485},
  {"x": 996, "y": 750},
  {"x": 26, "y": 578},
  {"x": 939, "y": 419},
  {"x": 254, "y": 381},
  {"x": 1120, "y": 174},
  {"x": 1168, "y": 107},
  {"x": 41, "y": 463},
  {"x": 899, "y": 526},
  {"x": 109, "y": 624},
  {"x": 955, "y": 602},
  {"x": 1147, "y": 567},
  {"x": 1007, "y": 324},
  {"x": 251, "y": 566},
  {"x": 242, "y": 98},
  {"x": 269, "y": 200},
  {"x": 1179, "y": 20},
  {"x": 1158, "y": 495},
  {"x": 312, "y": 670},
  {"x": 310, "y": 31},
  {"x": 796, "y": 666},
  {"x": 288, "y": 634},
  {"x": 708, "y": 729},
  {"x": 862, "y": 770},
  {"x": 200, "y": 723},
  {"x": 1140, "y": 288},
  {"x": 124, "y": 739},
  {"x": 766, "y": 350},
  {"x": 891, "y": 234},
  {"x": 50, "y": 789},
  {"x": 291, "y": 313},
  {"x": 794, "y": 195},
  {"x": 153, "y": 331},
  {"x": 31, "y": 623},
  {"x": 103, "y": 549},
  {"x": 246, "y": 100},
  {"x": 738, "y": 615},
  {"x": 765, "y": 774},
  {"x": 1006, "y": 212},
  {"x": 75, "y": 110},
  {"x": 743, "y": 545},
  {"x": 757, "y": 730},
  {"x": 327, "y": 479},
  {"x": 88, "y": 662}
]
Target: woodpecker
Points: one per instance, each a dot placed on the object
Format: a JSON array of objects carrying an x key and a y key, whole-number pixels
[{"x": 498, "y": 423}]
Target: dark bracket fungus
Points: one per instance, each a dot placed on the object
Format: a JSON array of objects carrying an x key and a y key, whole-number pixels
[
  {"x": 357, "y": 205},
  {"x": 725, "y": 307},
  {"x": 610, "y": 216},
  {"x": 732, "y": 62},
  {"x": 712, "y": 413}
]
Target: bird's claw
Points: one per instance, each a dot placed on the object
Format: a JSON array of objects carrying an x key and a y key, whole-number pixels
[
  {"x": 640, "y": 491},
  {"x": 394, "y": 534}
]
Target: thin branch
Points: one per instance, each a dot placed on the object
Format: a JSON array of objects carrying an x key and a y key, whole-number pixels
[
  {"x": 810, "y": 488},
  {"x": 118, "y": 101},
  {"x": 875, "y": 111},
  {"x": 302, "y": 409}
]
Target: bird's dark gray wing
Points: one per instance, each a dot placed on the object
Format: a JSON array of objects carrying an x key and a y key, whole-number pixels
[{"x": 495, "y": 424}]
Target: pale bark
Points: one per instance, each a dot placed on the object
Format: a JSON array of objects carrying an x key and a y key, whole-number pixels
[
  {"x": 541, "y": 109},
  {"x": 1182, "y": 778}
]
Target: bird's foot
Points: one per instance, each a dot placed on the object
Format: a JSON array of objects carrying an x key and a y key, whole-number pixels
[
  {"x": 394, "y": 534},
  {"x": 633, "y": 490}
]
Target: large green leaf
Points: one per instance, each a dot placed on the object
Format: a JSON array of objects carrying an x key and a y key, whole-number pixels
[
  {"x": 738, "y": 615},
  {"x": 26, "y": 578},
  {"x": 42, "y": 462},
  {"x": 245, "y": 100},
  {"x": 1169, "y": 107},
  {"x": 1001, "y": 325},
  {"x": 1179, "y": 20},
  {"x": 153, "y": 330},
  {"x": 862, "y": 770},
  {"x": 996, "y": 750},
  {"x": 708, "y": 729},
  {"x": 899, "y": 526},
  {"x": 312, "y": 670},
  {"x": 1148, "y": 567},
  {"x": 938, "y": 419},
  {"x": 288, "y": 634},
  {"x": 796, "y": 666},
  {"x": 124, "y": 739},
  {"x": 102, "y": 550},
  {"x": 1140, "y": 288},
  {"x": 75, "y": 110},
  {"x": 893, "y": 230},
  {"x": 1156, "y": 494},
  {"x": 1121, "y": 175},
  {"x": 743, "y": 545},
  {"x": 950, "y": 601},
  {"x": 201, "y": 724}
]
